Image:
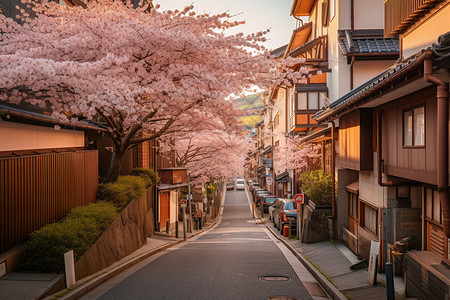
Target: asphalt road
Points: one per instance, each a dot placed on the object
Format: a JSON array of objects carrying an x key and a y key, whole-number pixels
[{"x": 225, "y": 263}]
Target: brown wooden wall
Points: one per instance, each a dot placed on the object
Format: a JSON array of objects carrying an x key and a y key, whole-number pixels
[
  {"x": 355, "y": 141},
  {"x": 39, "y": 189},
  {"x": 406, "y": 162}
]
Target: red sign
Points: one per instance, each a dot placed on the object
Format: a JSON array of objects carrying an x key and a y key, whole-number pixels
[{"x": 299, "y": 198}]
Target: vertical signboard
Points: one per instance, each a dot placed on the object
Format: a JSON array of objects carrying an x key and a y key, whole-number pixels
[{"x": 373, "y": 262}]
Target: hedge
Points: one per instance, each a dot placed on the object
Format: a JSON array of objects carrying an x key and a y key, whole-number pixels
[
  {"x": 150, "y": 176},
  {"x": 122, "y": 191},
  {"x": 44, "y": 252},
  {"x": 318, "y": 186}
]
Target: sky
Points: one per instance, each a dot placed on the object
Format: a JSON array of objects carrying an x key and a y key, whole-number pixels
[{"x": 259, "y": 15}]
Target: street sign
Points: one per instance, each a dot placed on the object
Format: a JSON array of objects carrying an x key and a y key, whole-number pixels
[
  {"x": 299, "y": 198},
  {"x": 183, "y": 203},
  {"x": 189, "y": 197},
  {"x": 269, "y": 180}
]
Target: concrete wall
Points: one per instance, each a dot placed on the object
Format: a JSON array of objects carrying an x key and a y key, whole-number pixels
[
  {"x": 435, "y": 23},
  {"x": 17, "y": 136},
  {"x": 127, "y": 233},
  {"x": 369, "y": 190}
]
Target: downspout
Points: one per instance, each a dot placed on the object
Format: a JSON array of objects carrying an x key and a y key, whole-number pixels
[
  {"x": 379, "y": 154},
  {"x": 442, "y": 139},
  {"x": 351, "y": 72},
  {"x": 333, "y": 184}
]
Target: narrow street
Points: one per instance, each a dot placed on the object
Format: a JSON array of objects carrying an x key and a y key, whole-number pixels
[{"x": 227, "y": 262}]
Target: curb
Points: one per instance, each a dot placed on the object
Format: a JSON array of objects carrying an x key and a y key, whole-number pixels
[
  {"x": 328, "y": 286},
  {"x": 85, "y": 288},
  {"x": 96, "y": 281}
]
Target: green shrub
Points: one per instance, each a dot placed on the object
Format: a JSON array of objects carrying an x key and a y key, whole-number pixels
[
  {"x": 122, "y": 191},
  {"x": 44, "y": 252},
  {"x": 318, "y": 186},
  {"x": 149, "y": 175}
]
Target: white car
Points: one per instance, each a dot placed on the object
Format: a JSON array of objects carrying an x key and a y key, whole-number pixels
[{"x": 240, "y": 185}]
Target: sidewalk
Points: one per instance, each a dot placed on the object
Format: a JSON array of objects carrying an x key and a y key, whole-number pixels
[
  {"x": 26, "y": 286},
  {"x": 329, "y": 262}
]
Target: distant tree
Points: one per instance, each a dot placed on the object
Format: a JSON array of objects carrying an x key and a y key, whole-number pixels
[{"x": 143, "y": 71}]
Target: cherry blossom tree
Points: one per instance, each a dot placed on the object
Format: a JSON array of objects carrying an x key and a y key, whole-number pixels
[
  {"x": 143, "y": 71},
  {"x": 212, "y": 154},
  {"x": 295, "y": 154}
]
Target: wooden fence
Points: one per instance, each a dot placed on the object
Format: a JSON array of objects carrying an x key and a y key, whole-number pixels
[{"x": 39, "y": 189}]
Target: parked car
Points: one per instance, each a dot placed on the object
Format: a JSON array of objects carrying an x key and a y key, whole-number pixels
[
  {"x": 254, "y": 191},
  {"x": 267, "y": 201},
  {"x": 285, "y": 210},
  {"x": 240, "y": 184},
  {"x": 253, "y": 186},
  {"x": 259, "y": 195},
  {"x": 271, "y": 209},
  {"x": 230, "y": 185}
]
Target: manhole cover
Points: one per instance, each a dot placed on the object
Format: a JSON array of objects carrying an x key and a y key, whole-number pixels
[
  {"x": 275, "y": 278},
  {"x": 282, "y": 298}
]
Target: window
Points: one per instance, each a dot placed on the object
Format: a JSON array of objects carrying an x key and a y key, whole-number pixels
[
  {"x": 369, "y": 218},
  {"x": 433, "y": 206},
  {"x": 276, "y": 120},
  {"x": 310, "y": 100},
  {"x": 332, "y": 9},
  {"x": 302, "y": 101},
  {"x": 325, "y": 13},
  {"x": 414, "y": 127},
  {"x": 353, "y": 205}
]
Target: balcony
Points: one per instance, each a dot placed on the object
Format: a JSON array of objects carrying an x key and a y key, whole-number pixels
[{"x": 399, "y": 15}]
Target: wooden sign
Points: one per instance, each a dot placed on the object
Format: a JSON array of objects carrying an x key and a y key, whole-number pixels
[{"x": 373, "y": 262}]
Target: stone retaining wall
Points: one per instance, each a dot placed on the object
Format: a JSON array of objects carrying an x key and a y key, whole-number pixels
[{"x": 127, "y": 233}]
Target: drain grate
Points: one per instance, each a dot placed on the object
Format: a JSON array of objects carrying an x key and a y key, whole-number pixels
[
  {"x": 282, "y": 298},
  {"x": 275, "y": 278}
]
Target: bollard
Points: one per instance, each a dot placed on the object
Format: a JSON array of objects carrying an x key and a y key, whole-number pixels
[
  {"x": 167, "y": 226},
  {"x": 390, "y": 281}
]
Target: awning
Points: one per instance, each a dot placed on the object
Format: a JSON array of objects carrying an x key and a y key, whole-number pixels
[
  {"x": 283, "y": 177},
  {"x": 353, "y": 187}
]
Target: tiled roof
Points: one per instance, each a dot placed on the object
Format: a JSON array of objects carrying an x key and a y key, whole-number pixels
[
  {"x": 42, "y": 119},
  {"x": 279, "y": 51},
  {"x": 355, "y": 43}
]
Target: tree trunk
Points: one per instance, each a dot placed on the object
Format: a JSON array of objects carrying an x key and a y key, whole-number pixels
[{"x": 115, "y": 164}]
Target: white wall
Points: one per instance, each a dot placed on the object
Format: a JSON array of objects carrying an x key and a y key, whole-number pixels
[
  {"x": 17, "y": 136},
  {"x": 365, "y": 70},
  {"x": 369, "y": 14},
  {"x": 280, "y": 107}
]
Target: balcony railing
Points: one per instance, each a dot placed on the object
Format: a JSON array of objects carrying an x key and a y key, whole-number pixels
[{"x": 400, "y": 14}]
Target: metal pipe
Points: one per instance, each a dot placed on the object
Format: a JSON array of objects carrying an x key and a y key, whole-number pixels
[
  {"x": 333, "y": 186},
  {"x": 379, "y": 153}
]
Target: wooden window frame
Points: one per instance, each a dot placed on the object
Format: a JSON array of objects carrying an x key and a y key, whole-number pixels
[
  {"x": 350, "y": 200},
  {"x": 431, "y": 220},
  {"x": 362, "y": 216},
  {"x": 411, "y": 109},
  {"x": 308, "y": 109}
]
